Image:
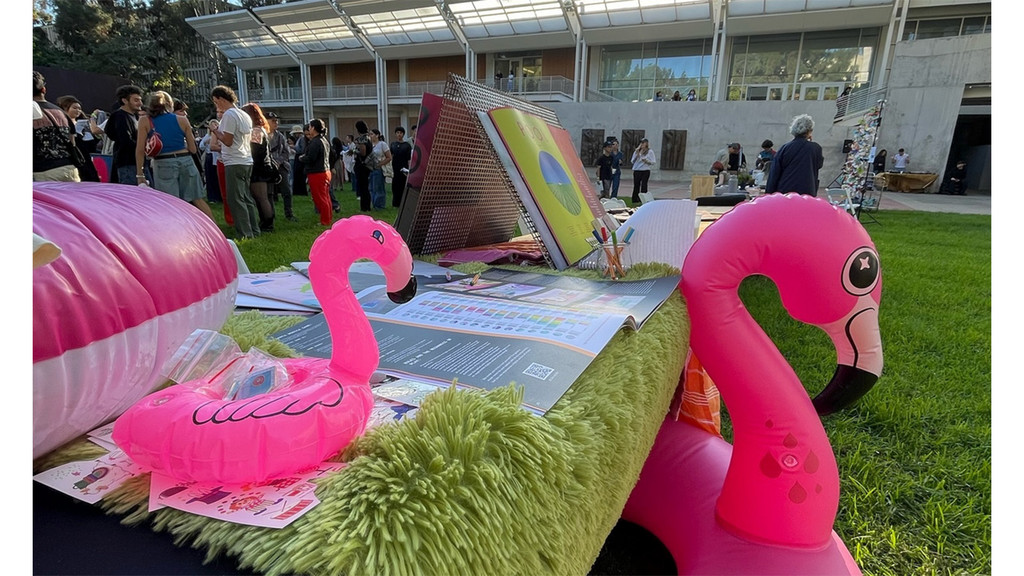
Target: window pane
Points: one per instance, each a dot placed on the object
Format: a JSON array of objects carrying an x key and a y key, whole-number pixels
[
  {"x": 637, "y": 71},
  {"x": 839, "y": 56},
  {"x": 771, "y": 59},
  {"x": 938, "y": 28},
  {"x": 974, "y": 25},
  {"x": 910, "y": 30}
]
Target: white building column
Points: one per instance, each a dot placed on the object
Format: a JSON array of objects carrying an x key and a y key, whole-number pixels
[
  {"x": 243, "y": 89},
  {"x": 382, "y": 94}
]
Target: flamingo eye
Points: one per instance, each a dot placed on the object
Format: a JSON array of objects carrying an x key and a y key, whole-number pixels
[
  {"x": 378, "y": 236},
  {"x": 861, "y": 272}
]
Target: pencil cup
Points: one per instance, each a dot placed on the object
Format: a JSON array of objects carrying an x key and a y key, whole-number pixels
[{"x": 613, "y": 260}]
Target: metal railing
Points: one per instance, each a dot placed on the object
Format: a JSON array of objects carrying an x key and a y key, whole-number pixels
[
  {"x": 275, "y": 95},
  {"x": 860, "y": 101},
  {"x": 531, "y": 87},
  {"x": 595, "y": 96}
]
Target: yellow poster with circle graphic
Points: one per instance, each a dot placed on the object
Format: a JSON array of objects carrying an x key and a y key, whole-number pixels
[{"x": 557, "y": 183}]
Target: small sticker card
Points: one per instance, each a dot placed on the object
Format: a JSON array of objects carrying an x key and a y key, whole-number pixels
[
  {"x": 259, "y": 382},
  {"x": 405, "y": 391},
  {"x": 270, "y": 504},
  {"x": 90, "y": 480}
]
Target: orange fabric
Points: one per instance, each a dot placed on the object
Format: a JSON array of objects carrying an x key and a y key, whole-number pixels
[
  {"x": 697, "y": 400},
  {"x": 221, "y": 179},
  {"x": 319, "y": 189}
]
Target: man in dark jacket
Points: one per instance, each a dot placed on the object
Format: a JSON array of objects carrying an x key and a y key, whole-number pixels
[
  {"x": 281, "y": 156},
  {"x": 401, "y": 154},
  {"x": 796, "y": 164},
  {"x": 956, "y": 180},
  {"x": 122, "y": 128}
]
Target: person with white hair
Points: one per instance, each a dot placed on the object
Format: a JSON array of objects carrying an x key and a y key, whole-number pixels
[{"x": 796, "y": 164}]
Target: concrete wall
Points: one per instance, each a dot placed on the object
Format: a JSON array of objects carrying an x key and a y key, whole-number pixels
[
  {"x": 926, "y": 87},
  {"x": 925, "y": 90},
  {"x": 709, "y": 126}
]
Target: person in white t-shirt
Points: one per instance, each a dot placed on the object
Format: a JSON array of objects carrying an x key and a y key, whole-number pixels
[
  {"x": 900, "y": 161},
  {"x": 234, "y": 134}
]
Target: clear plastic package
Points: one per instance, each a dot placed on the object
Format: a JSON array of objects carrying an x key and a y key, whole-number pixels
[
  {"x": 203, "y": 353},
  {"x": 214, "y": 364}
]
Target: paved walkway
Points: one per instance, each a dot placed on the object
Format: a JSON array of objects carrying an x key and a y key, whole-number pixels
[{"x": 969, "y": 204}]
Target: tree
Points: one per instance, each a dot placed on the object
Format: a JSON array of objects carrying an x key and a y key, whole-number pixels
[{"x": 145, "y": 41}]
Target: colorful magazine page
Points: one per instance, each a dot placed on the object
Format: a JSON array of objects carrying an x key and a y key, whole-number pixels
[
  {"x": 552, "y": 183},
  {"x": 292, "y": 286}
]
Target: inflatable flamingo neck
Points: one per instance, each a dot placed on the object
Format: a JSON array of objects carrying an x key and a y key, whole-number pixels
[
  {"x": 782, "y": 486},
  {"x": 354, "y": 351}
]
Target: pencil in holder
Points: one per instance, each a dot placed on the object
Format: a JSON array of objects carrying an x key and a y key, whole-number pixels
[{"x": 612, "y": 260}]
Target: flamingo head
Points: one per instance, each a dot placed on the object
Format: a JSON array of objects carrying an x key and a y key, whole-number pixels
[
  {"x": 361, "y": 236},
  {"x": 827, "y": 272}
]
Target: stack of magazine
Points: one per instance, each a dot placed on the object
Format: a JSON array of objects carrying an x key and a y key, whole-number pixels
[
  {"x": 290, "y": 292},
  {"x": 485, "y": 331}
]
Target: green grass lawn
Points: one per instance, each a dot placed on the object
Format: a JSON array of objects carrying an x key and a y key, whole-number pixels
[
  {"x": 914, "y": 455},
  {"x": 290, "y": 241}
]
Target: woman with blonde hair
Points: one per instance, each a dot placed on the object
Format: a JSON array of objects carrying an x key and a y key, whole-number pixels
[
  {"x": 263, "y": 171},
  {"x": 174, "y": 171}
]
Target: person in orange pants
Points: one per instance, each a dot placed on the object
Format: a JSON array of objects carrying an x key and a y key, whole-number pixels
[
  {"x": 223, "y": 186},
  {"x": 316, "y": 159}
]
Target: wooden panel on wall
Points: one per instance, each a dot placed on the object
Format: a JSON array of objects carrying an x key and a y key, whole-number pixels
[
  {"x": 673, "y": 149},
  {"x": 355, "y": 73},
  {"x": 318, "y": 75},
  {"x": 628, "y": 142},
  {"x": 558, "y": 62},
  {"x": 591, "y": 145},
  {"x": 434, "y": 69}
]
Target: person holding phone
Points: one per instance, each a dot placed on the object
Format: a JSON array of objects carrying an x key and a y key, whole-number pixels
[{"x": 643, "y": 159}]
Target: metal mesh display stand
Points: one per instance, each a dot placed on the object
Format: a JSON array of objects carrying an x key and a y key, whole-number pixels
[{"x": 467, "y": 198}]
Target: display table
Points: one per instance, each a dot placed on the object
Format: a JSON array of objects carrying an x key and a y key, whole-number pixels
[
  {"x": 473, "y": 485},
  {"x": 909, "y": 181}
]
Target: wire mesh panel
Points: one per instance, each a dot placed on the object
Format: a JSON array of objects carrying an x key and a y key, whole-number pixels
[{"x": 467, "y": 198}]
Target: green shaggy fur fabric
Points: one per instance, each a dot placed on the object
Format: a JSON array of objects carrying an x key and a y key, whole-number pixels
[{"x": 472, "y": 485}]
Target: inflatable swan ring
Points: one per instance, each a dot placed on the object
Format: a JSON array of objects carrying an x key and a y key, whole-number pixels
[{"x": 188, "y": 435}]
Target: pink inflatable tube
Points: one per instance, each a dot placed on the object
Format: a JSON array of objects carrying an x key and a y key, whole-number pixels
[
  {"x": 139, "y": 271},
  {"x": 186, "y": 434},
  {"x": 766, "y": 504}
]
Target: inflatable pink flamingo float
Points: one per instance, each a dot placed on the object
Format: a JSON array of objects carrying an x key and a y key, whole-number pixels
[
  {"x": 184, "y": 433},
  {"x": 767, "y": 503}
]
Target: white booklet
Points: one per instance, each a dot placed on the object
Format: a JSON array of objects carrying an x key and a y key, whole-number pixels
[{"x": 663, "y": 231}]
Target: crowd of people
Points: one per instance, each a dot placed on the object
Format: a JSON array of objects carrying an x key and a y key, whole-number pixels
[
  {"x": 244, "y": 161},
  {"x": 690, "y": 96},
  {"x": 248, "y": 164}
]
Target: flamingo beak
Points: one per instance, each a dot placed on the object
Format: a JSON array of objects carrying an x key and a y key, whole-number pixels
[
  {"x": 847, "y": 386},
  {"x": 405, "y": 294},
  {"x": 859, "y": 352}
]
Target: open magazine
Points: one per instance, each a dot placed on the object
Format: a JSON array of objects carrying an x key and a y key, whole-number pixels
[
  {"x": 540, "y": 331},
  {"x": 554, "y": 187}
]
